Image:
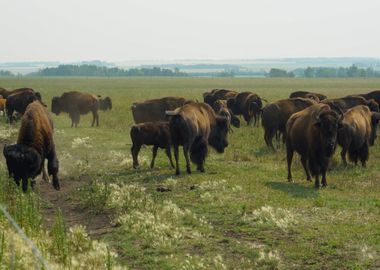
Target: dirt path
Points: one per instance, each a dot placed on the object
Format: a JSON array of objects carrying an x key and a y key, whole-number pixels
[{"x": 73, "y": 213}]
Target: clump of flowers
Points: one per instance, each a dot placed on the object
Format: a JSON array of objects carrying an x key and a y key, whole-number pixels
[
  {"x": 7, "y": 133},
  {"x": 81, "y": 142}
]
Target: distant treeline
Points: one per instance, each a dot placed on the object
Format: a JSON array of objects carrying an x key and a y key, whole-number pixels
[
  {"x": 6, "y": 73},
  {"x": 341, "y": 72},
  {"x": 101, "y": 71}
]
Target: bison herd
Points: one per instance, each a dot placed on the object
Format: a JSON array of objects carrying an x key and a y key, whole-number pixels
[{"x": 307, "y": 123}]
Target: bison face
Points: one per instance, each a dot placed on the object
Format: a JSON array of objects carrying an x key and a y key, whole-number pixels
[
  {"x": 105, "y": 104},
  {"x": 328, "y": 123},
  {"x": 373, "y": 106},
  {"x": 55, "y": 105},
  {"x": 219, "y": 134},
  {"x": 23, "y": 162},
  {"x": 375, "y": 122},
  {"x": 235, "y": 121}
]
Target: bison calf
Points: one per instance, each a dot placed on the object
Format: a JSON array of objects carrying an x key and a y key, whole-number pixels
[
  {"x": 25, "y": 159},
  {"x": 150, "y": 133},
  {"x": 312, "y": 132},
  {"x": 358, "y": 133}
]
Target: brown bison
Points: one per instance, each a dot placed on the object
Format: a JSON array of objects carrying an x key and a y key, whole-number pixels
[
  {"x": 312, "y": 133},
  {"x": 247, "y": 104},
  {"x": 195, "y": 126},
  {"x": 343, "y": 104},
  {"x": 153, "y": 110},
  {"x": 306, "y": 94},
  {"x": 275, "y": 115},
  {"x": 220, "y": 107},
  {"x": 76, "y": 103},
  {"x": 218, "y": 94},
  {"x": 358, "y": 133},
  {"x": 25, "y": 159},
  {"x": 105, "y": 103},
  {"x": 5, "y": 93},
  {"x": 18, "y": 102},
  {"x": 150, "y": 133},
  {"x": 375, "y": 95},
  {"x": 3, "y": 102}
]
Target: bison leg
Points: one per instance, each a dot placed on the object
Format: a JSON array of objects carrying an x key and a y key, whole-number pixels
[
  {"x": 364, "y": 153},
  {"x": 53, "y": 168},
  {"x": 306, "y": 168},
  {"x": 268, "y": 139},
  {"x": 25, "y": 184},
  {"x": 289, "y": 158},
  {"x": 95, "y": 116},
  {"x": 169, "y": 154},
  {"x": 45, "y": 175},
  {"x": 343, "y": 155},
  {"x": 176, "y": 155},
  {"x": 317, "y": 185},
  {"x": 135, "y": 152},
  {"x": 154, "y": 154},
  {"x": 324, "y": 181},
  {"x": 187, "y": 158}
]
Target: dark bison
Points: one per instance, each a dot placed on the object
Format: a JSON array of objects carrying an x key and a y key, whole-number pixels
[
  {"x": 195, "y": 126},
  {"x": 247, "y": 104},
  {"x": 375, "y": 95},
  {"x": 275, "y": 115},
  {"x": 312, "y": 133},
  {"x": 153, "y": 110},
  {"x": 5, "y": 93},
  {"x": 218, "y": 94},
  {"x": 220, "y": 107},
  {"x": 343, "y": 104},
  {"x": 25, "y": 160},
  {"x": 105, "y": 103},
  {"x": 358, "y": 133},
  {"x": 76, "y": 103},
  {"x": 150, "y": 133},
  {"x": 18, "y": 102},
  {"x": 306, "y": 94}
]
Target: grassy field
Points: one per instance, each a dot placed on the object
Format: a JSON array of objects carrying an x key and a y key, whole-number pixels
[{"x": 240, "y": 214}]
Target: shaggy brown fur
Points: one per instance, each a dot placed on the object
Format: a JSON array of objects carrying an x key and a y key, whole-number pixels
[
  {"x": 343, "y": 104},
  {"x": 35, "y": 143},
  {"x": 76, "y": 103},
  {"x": 306, "y": 94},
  {"x": 153, "y": 110},
  {"x": 150, "y": 133},
  {"x": 18, "y": 101}
]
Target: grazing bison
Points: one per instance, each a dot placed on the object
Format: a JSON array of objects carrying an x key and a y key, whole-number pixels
[
  {"x": 105, "y": 104},
  {"x": 275, "y": 115},
  {"x": 153, "y": 110},
  {"x": 312, "y": 133},
  {"x": 195, "y": 126},
  {"x": 218, "y": 94},
  {"x": 343, "y": 104},
  {"x": 150, "y": 133},
  {"x": 358, "y": 133},
  {"x": 5, "y": 93},
  {"x": 18, "y": 102},
  {"x": 26, "y": 159},
  {"x": 247, "y": 104},
  {"x": 306, "y": 94},
  {"x": 76, "y": 103},
  {"x": 220, "y": 107},
  {"x": 375, "y": 95}
]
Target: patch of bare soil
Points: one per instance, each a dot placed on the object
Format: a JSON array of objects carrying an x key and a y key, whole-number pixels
[{"x": 97, "y": 224}]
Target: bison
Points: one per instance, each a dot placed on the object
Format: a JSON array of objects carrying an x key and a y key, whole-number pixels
[
  {"x": 195, "y": 126},
  {"x": 375, "y": 95},
  {"x": 105, "y": 103},
  {"x": 75, "y": 103},
  {"x": 5, "y": 93},
  {"x": 218, "y": 94},
  {"x": 220, "y": 107},
  {"x": 343, "y": 104},
  {"x": 247, "y": 104},
  {"x": 358, "y": 133},
  {"x": 312, "y": 133},
  {"x": 3, "y": 102},
  {"x": 18, "y": 102},
  {"x": 275, "y": 115},
  {"x": 25, "y": 159},
  {"x": 150, "y": 133},
  {"x": 306, "y": 94},
  {"x": 153, "y": 110}
]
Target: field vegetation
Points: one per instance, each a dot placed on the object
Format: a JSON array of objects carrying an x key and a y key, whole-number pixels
[{"x": 240, "y": 214}]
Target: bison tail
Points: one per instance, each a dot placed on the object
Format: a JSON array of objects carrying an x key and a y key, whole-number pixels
[{"x": 135, "y": 130}]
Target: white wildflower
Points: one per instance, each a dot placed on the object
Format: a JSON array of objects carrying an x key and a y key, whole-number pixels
[{"x": 81, "y": 142}]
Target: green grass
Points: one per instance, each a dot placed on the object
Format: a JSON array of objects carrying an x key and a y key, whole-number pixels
[{"x": 240, "y": 214}]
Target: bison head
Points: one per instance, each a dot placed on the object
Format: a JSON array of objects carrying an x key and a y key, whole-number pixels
[
  {"x": 231, "y": 104},
  {"x": 375, "y": 117},
  {"x": 23, "y": 162},
  {"x": 328, "y": 123},
  {"x": 219, "y": 134},
  {"x": 106, "y": 104},
  {"x": 55, "y": 105},
  {"x": 373, "y": 105}
]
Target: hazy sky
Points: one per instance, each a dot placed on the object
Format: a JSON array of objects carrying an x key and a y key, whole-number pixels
[{"x": 117, "y": 30}]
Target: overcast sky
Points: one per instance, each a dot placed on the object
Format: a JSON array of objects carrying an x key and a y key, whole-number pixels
[{"x": 118, "y": 30}]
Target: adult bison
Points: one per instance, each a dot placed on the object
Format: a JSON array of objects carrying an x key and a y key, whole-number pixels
[
  {"x": 25, "y": 159},
  {"x": 312, "y": 133},
  {"x": 218, "y": 94},
  {"x": 220, "y": 107},
  {"x": 343, "y": 104},
  {"x": 307, "y": 94},
  {"x": 275, "y": 115},
  {"x": 375, "y": 95},
  {"x": 75, "y": 103},
  {"x": 153, "y": 110},
  {"x": 358, "y": 133},
  {"x": 195, "y": 126},
  {"x": 105, "y": 104},
  {"x": 247, "y": 104},
  {"x": 5, "y": 93},
  {"x": 18, "y": 102}
]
